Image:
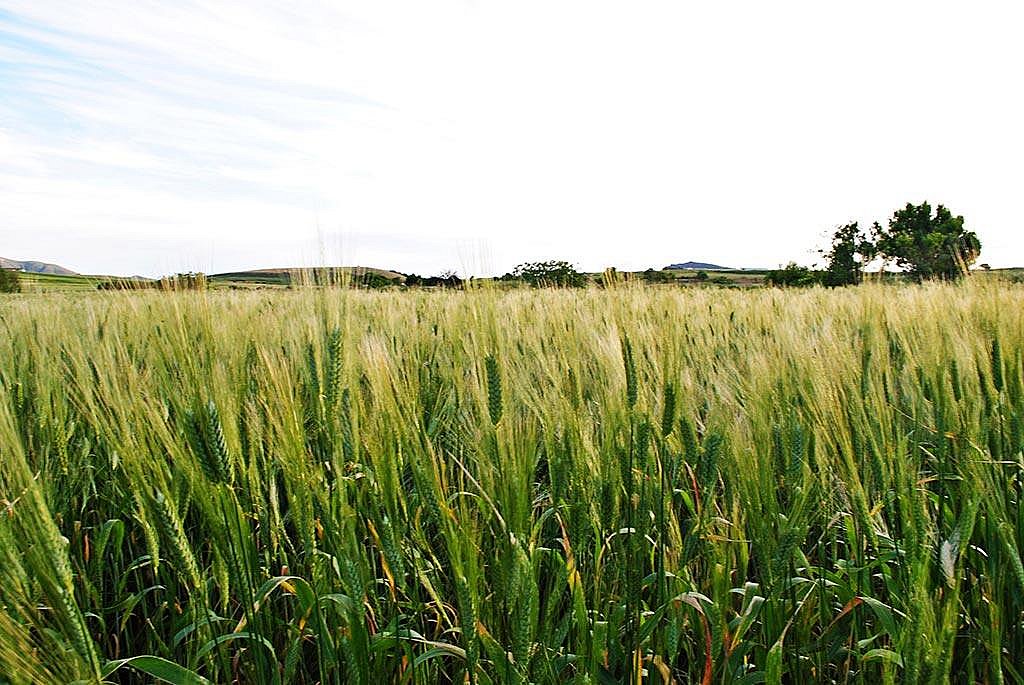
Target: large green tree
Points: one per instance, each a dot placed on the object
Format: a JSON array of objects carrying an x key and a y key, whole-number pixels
[{"x": 927, "y": 244}]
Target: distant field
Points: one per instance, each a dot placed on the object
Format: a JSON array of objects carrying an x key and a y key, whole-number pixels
[
  {"x": 627, "y": 485},
  {"x": 31, "y": 282}
]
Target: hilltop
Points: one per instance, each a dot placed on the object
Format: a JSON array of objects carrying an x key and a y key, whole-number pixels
[
  {"x": 703, "y": 266},
  {"x": 36, "y": 267}
]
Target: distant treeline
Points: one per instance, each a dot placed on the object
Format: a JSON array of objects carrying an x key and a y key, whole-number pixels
[{"x": 447, "y": 279}]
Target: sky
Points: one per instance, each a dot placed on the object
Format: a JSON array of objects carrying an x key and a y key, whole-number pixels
[{"x": 149, "y": 136}]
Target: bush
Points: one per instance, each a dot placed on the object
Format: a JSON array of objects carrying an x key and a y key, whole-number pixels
[
  {"x": 372, "y": 280},
  {"x": 657, "y": 276},
  {"x": 793, "y": 276},
  {"x": 10, "y": 281}
]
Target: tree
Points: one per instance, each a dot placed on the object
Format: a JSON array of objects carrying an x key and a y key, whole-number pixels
[
  {"x": 10, "y": 281},
  {"x": 851, "y": 250},
  {"x": 928, "y": 245},
  {"x": 552, "y": 273}
]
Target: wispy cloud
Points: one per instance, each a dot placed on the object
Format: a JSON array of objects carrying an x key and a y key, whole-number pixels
[{"x": 212, "y": 121}]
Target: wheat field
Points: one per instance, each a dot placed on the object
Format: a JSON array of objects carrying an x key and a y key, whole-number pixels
[{"x": 599, "y": 486}]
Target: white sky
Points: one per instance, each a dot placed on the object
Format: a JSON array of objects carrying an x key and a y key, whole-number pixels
[{"x": 143, "y": 136}]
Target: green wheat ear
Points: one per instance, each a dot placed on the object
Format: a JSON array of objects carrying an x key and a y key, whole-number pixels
[
  {"x": 493, "y": 389},
  {"x": 217, "y": 445},
  {"x": 174, "y": 532},
  {"x": 997, "y": 365},
  {"x": 206, "y": 436},
  {"x": 668, "y": 411},
  {"x": 333, "y": 376},
  {"x": 630, "y": 367}
]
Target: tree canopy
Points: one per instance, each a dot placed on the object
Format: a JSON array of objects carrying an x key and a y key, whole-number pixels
[
  {"x": 552, "y": 273},
  {"x": 927, "y": 244}
]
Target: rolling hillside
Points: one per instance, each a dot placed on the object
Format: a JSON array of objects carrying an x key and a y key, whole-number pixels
[
  {"x": 287, "y": 276},
  {"x": 36, "y": 267}
]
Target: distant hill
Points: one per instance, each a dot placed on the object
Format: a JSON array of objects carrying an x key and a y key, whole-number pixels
[
  {"x": 701, "y": 266},
  {"x": 36, "y": 267}
]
